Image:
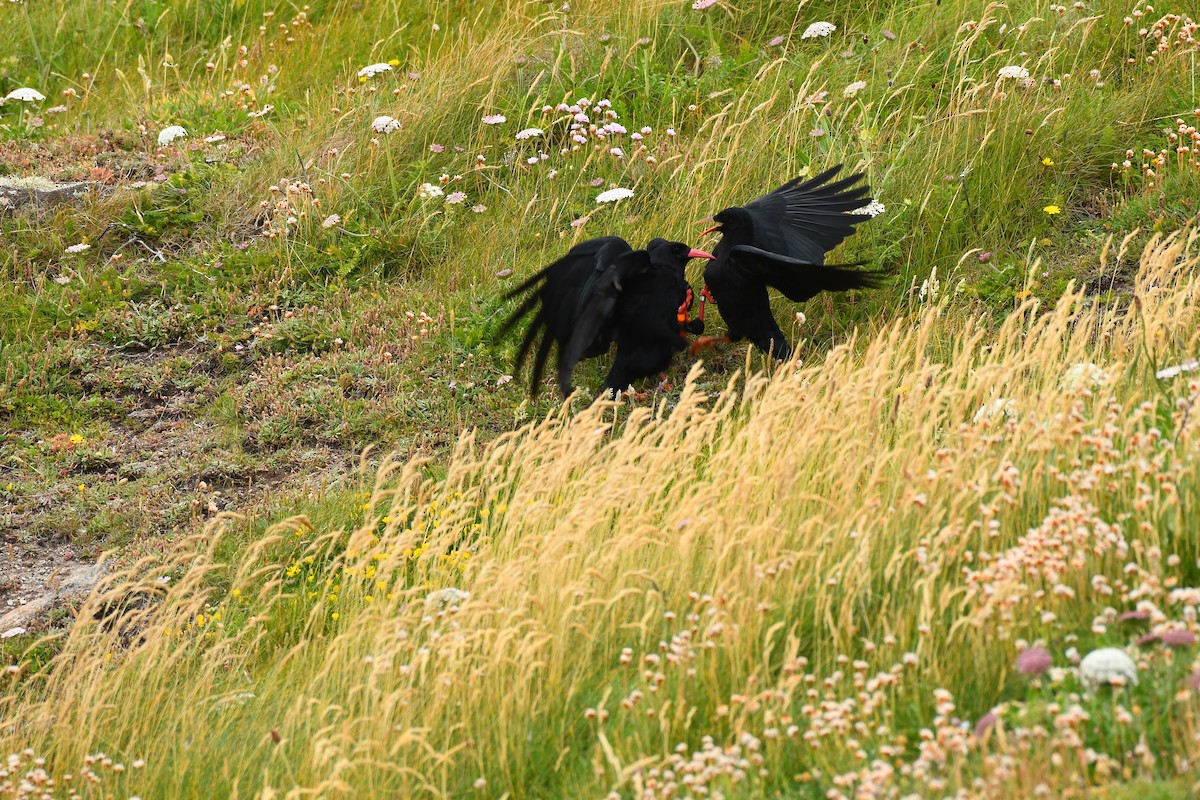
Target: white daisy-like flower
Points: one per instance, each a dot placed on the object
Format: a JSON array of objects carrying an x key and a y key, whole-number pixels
[
  {"x": 429, "y": 190},
  {"x": 854, "y": 88},
  {"x": 25, "y": 95},
  {"x": 613, "y": 195},
  {"x": 529, "y": 133},
  {"x": 818, "y": 29},
  {"x": 331, "y": 220},
  {"x": 78, "y": 248},
  {"x": 385, "y": 124},
  {"x": 1015, "y": 71},
  {"x": 371, "y": 70},
  {"x": 873, "y": 209},
  {"x": 170, "y": 134}
]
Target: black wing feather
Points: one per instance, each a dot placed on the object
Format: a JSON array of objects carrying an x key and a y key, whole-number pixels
[
  {"x": 797, "y": 280},
  {"x": 599, "y": 309},
  {"x": 806, "y": 220}
]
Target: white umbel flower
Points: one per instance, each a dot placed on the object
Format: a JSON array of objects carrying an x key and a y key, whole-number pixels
[
  {"x": 818, "y": 30},
  {"x": 429, "y": 190},
  {"x": 854, "y": 88},
  {"x": 1015, "y": 72},
  {"x": 529, "y": 133},
  {"x": 170, "y": 134},
  {"x": 25, "y": 95},
  {"x": 385, "y": 124},
  {"x": 371, "y": 70},
  {"x": 871, "y": 209},
  {"x": 613, "y": 195}
]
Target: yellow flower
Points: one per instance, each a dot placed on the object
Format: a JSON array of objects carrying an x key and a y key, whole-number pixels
[
  {"x": 236, "y": 593},
  {"x": 1047, "y": 162},
  {"x": 395, "y": 62},
  {"x": 334, "y": 616},
  {"x": 8, "y": 487},
  {"x": 1052, "y": 210},
  {"x": 76, "y": 438},
  {"x": 82, "y": 488}
]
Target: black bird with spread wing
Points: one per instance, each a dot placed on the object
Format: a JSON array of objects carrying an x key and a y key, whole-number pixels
[
  {"x": 603, "y": 291},
  {"x": 780, "y": 241}
]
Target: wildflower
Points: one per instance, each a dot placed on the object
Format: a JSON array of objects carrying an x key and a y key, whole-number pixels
[
  {"x": 1033, "y": 661},
  {"x": 1052, "y": 210},
  {"x": 454, "y": 198},
  {"x": 436, "y": 148},
  {"x": 1170, "y": 372},
  {"x": 854, "y": 88},
  {"x": 871, "y": 209},
  {"x": 613, "y": 195},
  {"x": 985, "y": 723},
  {"x": 25, "y": 95},
  {"x": 1107, "y": 666},
  {"x": 1016, "y": 72},
  {"x": 479, "y": 208},
  {"x": 267, "y": 109},
  {"x": 427, "y": 190},
  {"x": 331, "y": 220},
  {"x": 170, "y": 134},
  {"x": 700, "y": 5},
  {"x": 78, "y": 248},
  {"x": 494, "y": 119},
  {"x": 371, "y": 70},
  {"x": 1177, "y": 638},
  {"x": 818, "y": 29},
  {"x": 778, "y": 40},
  {"x": 334, "y": 616},
  {"x": 529, "y": 133},
  {"x": 985, "y": 256},
  {"x": 1047, "y": 162},
  {"x": 76, "y": 438},
  {"x": 449, "y": 596},
  {"x": 579, "y": 223},
  {"x": 385, "y": 124}
]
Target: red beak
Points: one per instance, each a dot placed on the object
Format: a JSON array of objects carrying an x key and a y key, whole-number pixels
[
  {"x": 710, "y": 230},
  {"x": 700, "y": 254}
]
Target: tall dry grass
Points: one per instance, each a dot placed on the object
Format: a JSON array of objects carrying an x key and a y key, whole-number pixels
[{"x": 815, "y": 581}]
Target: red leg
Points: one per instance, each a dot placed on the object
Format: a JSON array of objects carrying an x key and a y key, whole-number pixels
[{"x": 705, "y": 342}]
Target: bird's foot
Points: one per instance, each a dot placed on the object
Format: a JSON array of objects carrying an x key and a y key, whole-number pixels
[{"x": 705, "y": 342}]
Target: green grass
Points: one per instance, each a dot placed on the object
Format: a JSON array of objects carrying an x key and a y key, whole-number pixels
[{"x": 218, "y": 347}]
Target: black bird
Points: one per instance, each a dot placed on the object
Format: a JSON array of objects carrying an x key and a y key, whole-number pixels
[
  {"x": 603, "y": 291},
  {"x": 780, "y": 241}
]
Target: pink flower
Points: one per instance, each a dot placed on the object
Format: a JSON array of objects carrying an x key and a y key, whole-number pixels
[
  {"x": 454, "y": 198},
  {"x": 1129, "y": 616},
  {"x": 479, "y": 209},
  {"x": 579, "y": 223},
  {"x": 700, "y": 5},
  {"x": 1177, "y": 638},
  {"x": 494, "y": 119},
  {"x": 596, "y": 182},
  {"x": 778, "y": 40},
  {"x": 985, "y": 723},
  {"x": 984, "y": 257},
  {"x": 436, "y": 148},
  {"x": 1033, "y": 661}
]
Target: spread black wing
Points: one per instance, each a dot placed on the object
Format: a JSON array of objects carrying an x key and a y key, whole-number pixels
[
  {"x": 560, "y": 294},
  {"x": 797, "y": 280},
  {"x": 599, "y": 314},
  {"x": 806, "y": 219}
]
